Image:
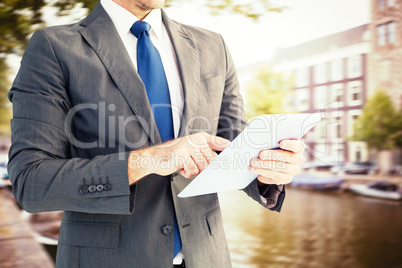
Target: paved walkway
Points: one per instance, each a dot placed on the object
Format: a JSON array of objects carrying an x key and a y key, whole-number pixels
[{"x": 18, "y": 248}]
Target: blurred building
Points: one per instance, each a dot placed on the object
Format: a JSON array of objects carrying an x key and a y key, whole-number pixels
[
  {"x": 331, "y": 76},
  {"x": 336, "y": 74},
  {"x": 385, "y": 60}
]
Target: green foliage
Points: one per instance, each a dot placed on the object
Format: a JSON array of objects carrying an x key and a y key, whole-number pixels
[
  {"x": 18, "y": 19},
  {"x": 379, "y": 123},
  {"x": 250, "y": 9},
  {"x": 266, "y": 93},
  {"x": 397, "y": 135},
  {"x": 66, "y": 5},
  {"x": 5, "y": 112}
]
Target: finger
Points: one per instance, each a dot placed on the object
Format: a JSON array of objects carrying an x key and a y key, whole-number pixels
[
  {"x": 281, "y": 155},
  {"x": 208, "y": 154},
  {"x": 276, "y": 176},
  {"x": 267, "y": 180},
  {"x": 190, "y": 169},
  {"x": 284, "y": 167},
  {"x": 200, "y": 161},
  {"x": 217, "y": 143},
  {"x": 295, "y": 146},
  {"x": 184, "y": 173},
  {"x": 181, "y": 159}
]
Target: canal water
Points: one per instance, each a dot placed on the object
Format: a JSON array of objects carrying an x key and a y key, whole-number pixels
[{"x": 314, "y": 229}]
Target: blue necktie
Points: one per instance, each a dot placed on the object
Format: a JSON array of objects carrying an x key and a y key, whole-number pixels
[{"x": 150, "y": 69}]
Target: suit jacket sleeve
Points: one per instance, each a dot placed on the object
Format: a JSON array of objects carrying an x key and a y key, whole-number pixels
[
  {"x": 232, "y": 121},
  {"x": 42, "y": 172}
]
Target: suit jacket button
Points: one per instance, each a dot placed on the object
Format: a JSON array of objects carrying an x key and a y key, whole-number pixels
[
  {"x": 99, "y": 187},
  {"x": 92, "y": 188},
  {"x": 107, "y": 187},
  {"x": 83, "y": 189},
  {"x": 167, "y": 229}
]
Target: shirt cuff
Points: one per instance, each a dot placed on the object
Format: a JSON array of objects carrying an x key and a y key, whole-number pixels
[{"x": 272, "y": 196}]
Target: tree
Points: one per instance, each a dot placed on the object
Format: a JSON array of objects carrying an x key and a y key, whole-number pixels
[
  {"x": 379, "y": 123},
  {"x": 18, "y": 19},
  {"x": 5, "y": 113},
  {"x": 250, "y": 9},
  {"x": 397, "y": 135},
  {"x": 266, "y": 93}
]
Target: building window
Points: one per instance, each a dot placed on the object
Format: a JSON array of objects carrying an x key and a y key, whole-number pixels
[
  {"x": 289, "y": 102},
  {"x": 381, "y": 4},
  {"x": 337, "y": 70},
  {"x": 355, "y": 66},
  {"x": 358, "y": 155},
  {"x": 302, "y": 99},
  {"x": 391, "y": 32},
  {"x": 322, "y": 131},
  {"x": 320, "y": 97},
  {"x": 320, "y": 73},
  {"x": 355, "y": 93},
  {"x": 353, "y": 116},
  {"x": 338, "y": 152},
  {"x": 339, "y": 131},
  {"x": 386, "y": 33},
  {"x": 337, "y": 127},
  {"x": 381, "y": 35},
  {"x": 355, "y": 96},
  {"x": 302, "y": 77},
  {"x": 320, "y": 150},
  {"x": 337, "y": 94}
]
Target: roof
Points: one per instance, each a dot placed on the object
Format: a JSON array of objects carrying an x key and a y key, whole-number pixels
[{"x": 346, "y": 38}]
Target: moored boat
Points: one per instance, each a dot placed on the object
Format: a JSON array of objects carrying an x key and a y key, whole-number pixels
[
  {"x": 4, "y": 179},
  {"x": 45, "y": 225},
  {"x": 316, "y": 183},
  {"x": 384, "y": 190}
]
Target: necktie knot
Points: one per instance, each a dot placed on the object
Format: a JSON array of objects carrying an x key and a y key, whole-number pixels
[{"x": 139, "y": 27}]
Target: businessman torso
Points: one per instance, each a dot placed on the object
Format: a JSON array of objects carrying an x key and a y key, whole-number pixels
[{"x": 85, "y": 100}]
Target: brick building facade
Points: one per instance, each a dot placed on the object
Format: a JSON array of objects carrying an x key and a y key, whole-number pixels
[
  {"x": 331, "y": 76},
  {"x": 385, "y": 59},
  {"x": 337, "y": 74}
]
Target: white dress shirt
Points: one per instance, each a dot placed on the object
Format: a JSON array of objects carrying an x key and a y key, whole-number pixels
[{"x": 123, "y": 20}]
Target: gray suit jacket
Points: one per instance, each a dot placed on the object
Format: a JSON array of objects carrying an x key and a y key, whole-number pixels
[{"x": 79, "y": 108}]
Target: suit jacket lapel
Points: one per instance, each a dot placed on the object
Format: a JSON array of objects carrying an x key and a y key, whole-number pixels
[
  {"x": 102, "y": 36},
  {"x": 189, "y": 68}
]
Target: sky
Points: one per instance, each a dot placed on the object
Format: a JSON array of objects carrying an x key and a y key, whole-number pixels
[
  {"x": 303, "y": 20},
  {"x": 255, "y": 41}
]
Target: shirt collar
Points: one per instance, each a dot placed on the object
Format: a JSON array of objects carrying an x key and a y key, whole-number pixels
[
  {"x": 154, "y": 18},
  {"x": 123, "y": 19}
]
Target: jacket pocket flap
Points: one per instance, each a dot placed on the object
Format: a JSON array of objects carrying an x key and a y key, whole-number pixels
[
  {"x": 214, "y": 82},
  {"x": 88, "y": 234}
]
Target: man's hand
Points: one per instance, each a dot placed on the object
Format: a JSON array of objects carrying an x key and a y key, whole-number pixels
[
  {"x": 278, "y": 166},
  {"x": 190, "y": 154}
]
